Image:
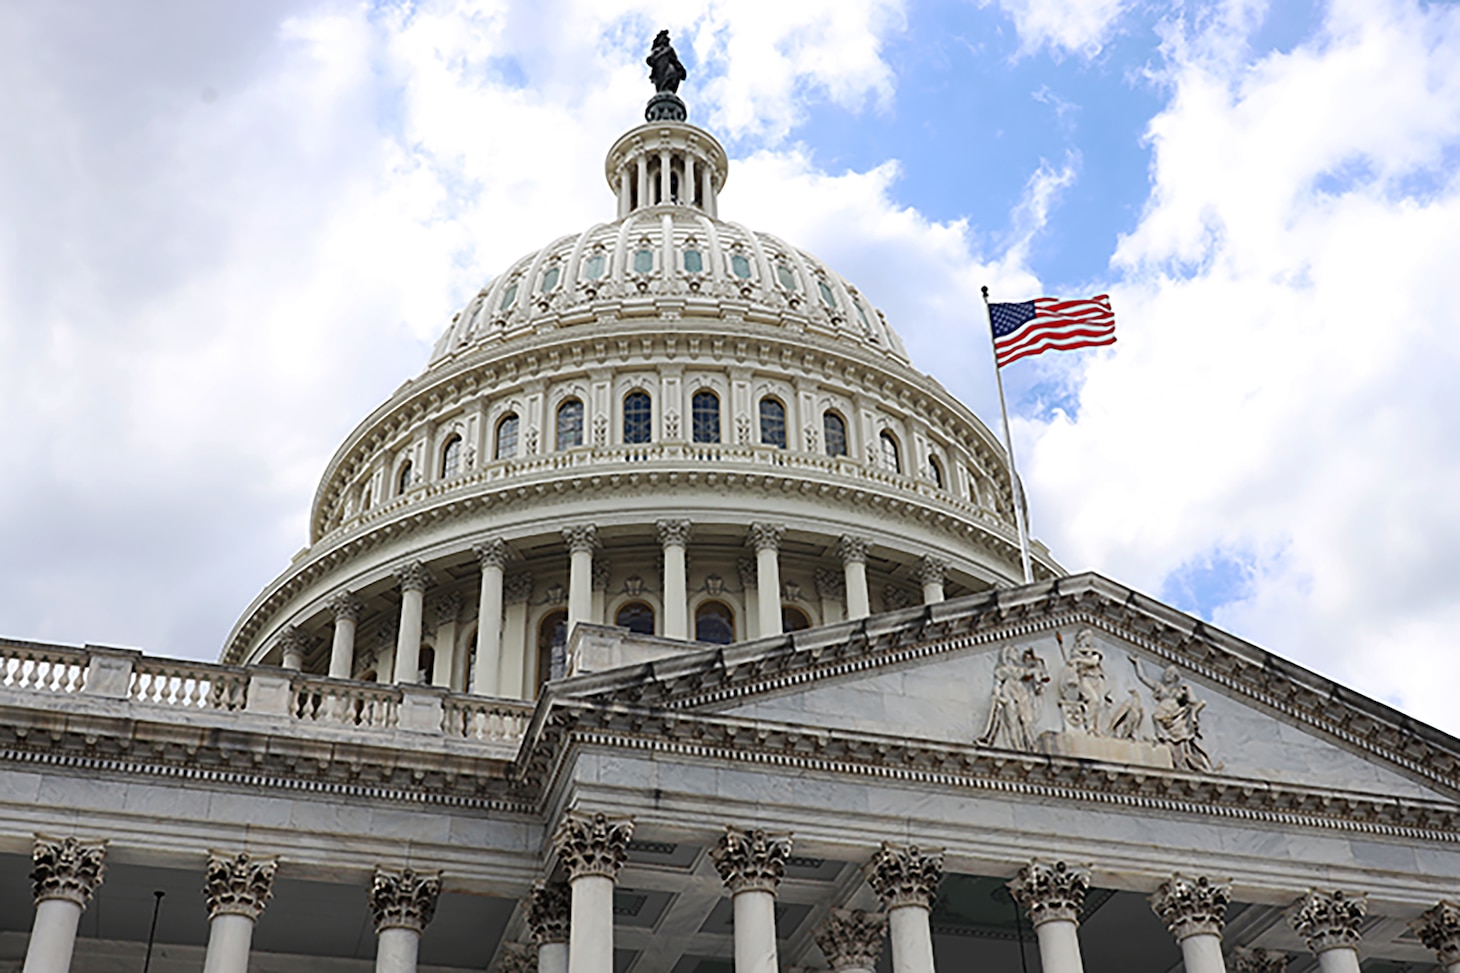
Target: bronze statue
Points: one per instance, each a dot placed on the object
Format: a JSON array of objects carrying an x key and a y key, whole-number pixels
[{"x": 664, "y": 68}]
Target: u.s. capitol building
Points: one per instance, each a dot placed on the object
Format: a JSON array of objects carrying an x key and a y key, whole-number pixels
[{"x": 670, "y": 621}]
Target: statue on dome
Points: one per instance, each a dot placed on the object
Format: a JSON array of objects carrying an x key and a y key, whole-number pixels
[{"x": 664, "y": 68}]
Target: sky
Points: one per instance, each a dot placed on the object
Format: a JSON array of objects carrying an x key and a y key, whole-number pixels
[{"x": 229, "y": 230}]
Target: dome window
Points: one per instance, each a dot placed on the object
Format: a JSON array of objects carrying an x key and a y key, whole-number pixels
[
  {"x": 786, "y": 277},
  {"x": 866, "y": 325},
  {"x": 643, "y": 261},
  {"x": 740, "y": 266},
  {"x": 593, "y": 267},
  {"x": 507, "y": 436},
  {"x": 935, "y": 471},
  {"x": 403, "y": 479},
  {"x": 772, "y": 423},
  {"x": 550, "y": 279},
  {"x": 890, "y": 456},
  {"x": 570, "y": 424},
  {"x": 705, "y": 417},
  {"x": 714, "y": 623},
  {"x": 793, "y": 619},
  {"x": 451, "y": 457},
  {"x": 834, "y": 433},
  {"x": 638, "y": 418},
  {"x": 552, "y": 641},
  {"x": 827, "y": 297},
  {"x": 509, "y": 296},
  {"x": 637, "y": 617},
  {"x": 694, "y": 263}
]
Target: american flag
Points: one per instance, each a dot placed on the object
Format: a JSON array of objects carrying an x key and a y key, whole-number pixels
[{"x": 1049, "y": 324}]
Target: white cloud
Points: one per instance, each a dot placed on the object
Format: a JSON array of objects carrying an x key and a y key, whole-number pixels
[{"x": 1066, "y": 26}]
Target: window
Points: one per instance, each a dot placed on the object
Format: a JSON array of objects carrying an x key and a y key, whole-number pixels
[
  {"x": 866, "y": 325},
  {"x": 638, "y": 418},
  {"x": 403, "y": 479},
  {"x": 643, "y": 261},
  {"x": 693, "y": 261},
  {"x": 705, "y": 416},
  {"x": 834, "y": 432},
  {"x": 739, "y": 265},
  {"x": 451, "y": 457},
  {"x": 772, "y": 423},
  {"x": 637, "y": 617},
  {"x": 508, "y": 296},
  {"x": 714, "y": 623},
  {"x": 890, "y": 458},
  {"x": 552, "y": 638},
  {"x": 365, "y": 499},
  {"x": 793, "y": 619},
  {"x": 593, "y": 267},
  {"x": 570, "y": 424},
  {"x": 426, "y": 664},
  {"x": 827, "y": 297},
  {"x": 550, "y": 279},
  {"x": 935, "y": 470},
  {"x": 784, "y": 275},
  {"x": 506, "y": 436}
]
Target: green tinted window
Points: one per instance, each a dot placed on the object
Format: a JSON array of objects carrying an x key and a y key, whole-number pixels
[
  {"x": 643, "y": 261},
  {"x": 593, "y": 268},
  {"x": 693, "y": 262},
  {"x": 550, "y": 279},
  {"x": 739, "y": 265},
  {"x": 784, "y": 275},
  {"x": 508, "y": 296},
  {"x": 826, "y": 294}
]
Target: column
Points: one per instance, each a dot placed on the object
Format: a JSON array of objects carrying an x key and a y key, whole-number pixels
[
  {"x": 548, "y": 911},
  {"x": 236, "y": 887},
  {"x": 931, "y": 572},
  {"x": 766, "y": 539},
  {"x": 624, "y": 197},
  {"x": 1195, "y": 909},
  {"x": 67, "y": 872},
  {"x": 402, "y": 903},
  {"x": 292, "y": 643},
  {"x": 445, "y": 612},
  {"x": 853, "y": 552},
  {"x": 413, "y": 578},
  {"x": 581, "y": 541},
  {"x": 1259, "y": 960},
  {"x": 664, "y": 170},
  {"x": 1328, "y": 921},
  {"x": 906, "y": 878},
  {"x": 346, "y": 609},
  {"x": 687, "y": 187},
  {"x": 642, "y": 162},
  {"x": 602, "y": 571},
  {"x": 750, "y": 622},
  {"x": 592, "y": 848},
  {"x": 1439, "y": 929},
  {"x": 486, "y": 675},
  {"x": 851, "y": 940},
  {"x": 751, "y": 864},
  {"x": 674, "y": 536},
  {"x": 515, "y": 676},
  {"x": 831, "y": 590},
  {"x": 1053, "y": 894}
]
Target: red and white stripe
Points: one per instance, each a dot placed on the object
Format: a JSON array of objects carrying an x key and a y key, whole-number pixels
[{"x": 1059, "y": 326}]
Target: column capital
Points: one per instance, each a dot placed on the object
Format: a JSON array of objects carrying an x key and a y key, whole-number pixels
[
  {"x": 905, "y": 875},
  {"x": 830, "y": 584},
  {"x": 1051, "y": 891},
  {"x": 403, "y": 899},
  {"x": 491, "y": 553},
  {"x": 674, "y": 532},
  {"x": 549, "y": 910},
  {"x": 593, "y": 844},
  {"x": 518, "y": 587},
  {"x": 238, "y": 885},
  {"x": 1439, "y": 929},
  {"x": 751, "y": 861},
  {"x": 344, "y": 606},
  {"x": 602, "y": 570},
  {"x": 1192, "y": 906},
  {"x": 1329, "y": 919},
  {"x": 447, "y": 608},
  {"x": 291, "y": 638},
  {"x": 745, "y": 567},
  {"x": 1247, "y": 960},
  {"x": 516, "y": 958},
  {"x": 852, "y": 549},
  {"x": 931, "y": 570},
  {"x": 852, "y": 939},
  {"x": 413, "y": 576},
  {"x": 67, "y": 868},
  {"x": 766, "y": 537},
  {"x": 581, "y": 539}
]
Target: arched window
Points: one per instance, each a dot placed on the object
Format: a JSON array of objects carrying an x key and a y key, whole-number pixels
[
  {"x": 638, "y": 418},
  {"x": 552, "y": 639},
  {"x": 793, "y": 619},
  {"x": 935, "y": 470},
  {"x": 570, "y": 424},
  {"x": 506, "y": 436},
  {"x": 637, "y": 617},
  {"x": 451, "y": 457},
  {"x": 834, "y": 431},
  {"x": 403, "y": 479},
  {"x": 772, "y": 423},
  {"x": 890, "y": 457},
  {"x": 714, "y": 623},
  {"x": 705, "y": 416}
]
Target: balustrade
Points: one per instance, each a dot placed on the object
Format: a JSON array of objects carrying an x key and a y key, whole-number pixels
[
  {"x": 48, "y": 669},
  {"x": 165, "y": 682}
]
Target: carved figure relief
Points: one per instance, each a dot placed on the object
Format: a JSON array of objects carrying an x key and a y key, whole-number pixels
[
  {"x": 1177, "y": 718},
  {"x": 1019, "y": 681},
  {"x": 1084, "y": 696}
]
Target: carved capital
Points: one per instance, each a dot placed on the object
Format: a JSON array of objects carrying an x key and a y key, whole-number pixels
[
  {"x": 1439, "y": 929},
  {"x": 852, "y": 940},
  {"x": 745, "y": 567},
  {"x": 345, "y": 607},
  {"x": 447, "y": 608},
  {"x": 602, "y": 571},
  {"x": 1330, "y": 919},
  {"x": 517, "y": 588},
  {"x": 516, "y": 958},
  {"x": 593, "y": 844},
  {"x": 850, "y": 549},
  {"x": 905, "y": 875},
  {"x": 549, "y": 908},
  {"x": 931, "y": 570},
  {"x": 491, "y": 553},
  {"x": 673, "y": 532},
  {"x": 404, "y": 899},
  {"x": 1051, "y": 891},
  {"x": 238, "y": 885},
  {"x": 766, "y": 537},
  {"x": 1247, "y": 960},
  {"x": 292, "y": 639},
  {"x": 581, "y": 539},
  {"x": 751, "y": 861},
  {"x": 830, "y": 584},
  {"x": 1192, "y": 906},
  {"x": 67, "y": 868},
  {"x": 413, "y": 576}
]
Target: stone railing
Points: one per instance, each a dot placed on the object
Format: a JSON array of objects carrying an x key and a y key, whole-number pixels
[{"x": 162, "y": 685}]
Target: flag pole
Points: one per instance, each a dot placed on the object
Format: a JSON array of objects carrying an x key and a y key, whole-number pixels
[{"x": 1018, "y": 488}]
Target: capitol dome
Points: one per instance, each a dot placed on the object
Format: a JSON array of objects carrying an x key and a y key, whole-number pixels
[{"x": 668, "y": 422}]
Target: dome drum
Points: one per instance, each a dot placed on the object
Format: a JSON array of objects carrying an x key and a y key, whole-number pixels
[{"x": 666, "y": 163}]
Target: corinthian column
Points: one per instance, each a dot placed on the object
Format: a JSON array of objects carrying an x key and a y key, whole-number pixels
[
  {"x": 291, "y": 644},
  {"x": 1329, "y": 923},
  {"x": 751, "y": 864},
  {"x": 1259, "y": 960},
  {"x": 236, "y": 887},
  {"x": 1439, "y": 929},
  {"x": 548, "y": 911},
  {"x": 674, "y": 536},
  {"x": 1053, "y": 894},
  {"x": 413, "y": 578},
  {"x": 1195, "y": 910},
  {"x": 852, "y": 941},
  {"x": 402, "y": 903},
  {"x": 486, "y": 671},
  {"x": 66, "y": 873},
  {"x": 766, "y": 539},
  {"x": 581, "y": 541},
  {"x": 592, "y": 848},
  {"x": 853, "y": 552},
  {"x": 906, "y": 879},
  {"x": 346, "y": 610},
  {"x": 931, "y": 572}
]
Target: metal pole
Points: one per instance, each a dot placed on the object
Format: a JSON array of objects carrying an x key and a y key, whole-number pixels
[
  {"x": 1018, "y": 488},
  {"x": 152, "y": 933}
]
